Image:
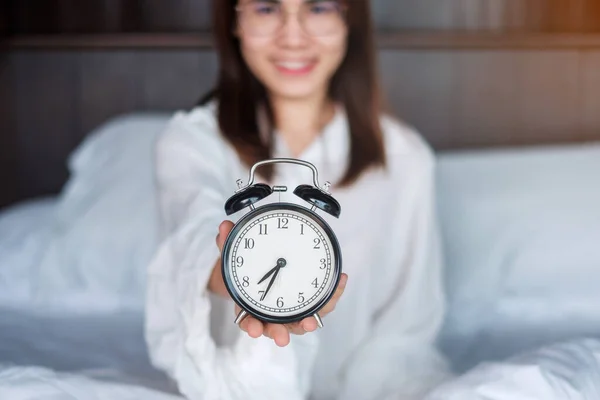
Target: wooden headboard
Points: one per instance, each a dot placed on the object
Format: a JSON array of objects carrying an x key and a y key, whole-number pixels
[{"x": 460, "y": 88}]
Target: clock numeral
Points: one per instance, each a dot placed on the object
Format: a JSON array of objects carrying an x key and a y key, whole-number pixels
[
  {"x": 315, "y": 283},
  {"x": 301, "y": 297},
  {"x": 249, "y": 243},
  {"x": 261, "y": 293},
  {"x": 282, "y": 223},
  {"x": 317, "y": 242},
  {"x": 323, "y": 263},
  {"x": 280, "y": 302},
  {"x": 302, "y": 229},
  {"x": 240, "y": 261},
  {"x": 246, "y": 281},
  {"x": 263, "y": 229}
]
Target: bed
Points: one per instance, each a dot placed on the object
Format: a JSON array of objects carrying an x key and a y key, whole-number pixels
[
  {"x": 69, "y": 326},
  {"x": 73, "y": 355},
  {"x": 72, "y": 274}
]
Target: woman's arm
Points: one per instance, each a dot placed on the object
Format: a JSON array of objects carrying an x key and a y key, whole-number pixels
[
  {"x": 400, "y": 360},
  {"x": 193, "y": 185}
]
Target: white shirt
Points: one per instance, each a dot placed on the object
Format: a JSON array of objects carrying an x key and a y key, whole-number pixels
[{"x": 379, "y": 341}]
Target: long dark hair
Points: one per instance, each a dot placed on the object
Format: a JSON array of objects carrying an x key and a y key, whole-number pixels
[{"x": 354, "y": 85}]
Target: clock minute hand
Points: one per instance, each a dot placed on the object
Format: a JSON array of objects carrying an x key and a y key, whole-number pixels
[
  {"x": 270, "y": 283},
  {"x": 268, "y": 274}
]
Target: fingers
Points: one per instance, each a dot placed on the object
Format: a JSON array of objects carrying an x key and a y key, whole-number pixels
[
  {"x": 250, "y": 325},
  {"x": 255, "y": 327},
  {"x": 309, "y": 324},
  {"x": 330, "y": 306},
  {"x": 279, "y": 333},
  {"x": 224, "y": 230}
]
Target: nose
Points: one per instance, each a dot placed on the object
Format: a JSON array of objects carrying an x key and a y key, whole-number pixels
[{"x": 292, "y": 32}]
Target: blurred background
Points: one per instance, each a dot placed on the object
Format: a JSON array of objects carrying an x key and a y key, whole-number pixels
[{"x": 466, "y": 73}]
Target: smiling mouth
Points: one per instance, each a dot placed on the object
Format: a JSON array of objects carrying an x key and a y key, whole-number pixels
[{"x": 295, "y": 67}]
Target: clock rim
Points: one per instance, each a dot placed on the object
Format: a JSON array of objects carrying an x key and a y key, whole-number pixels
[{"x": 336, "y": 273}]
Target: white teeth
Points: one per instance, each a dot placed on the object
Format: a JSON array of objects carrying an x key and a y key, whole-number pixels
[{"x": 293, "y": 65}]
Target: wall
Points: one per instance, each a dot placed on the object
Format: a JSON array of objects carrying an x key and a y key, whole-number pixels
[
  {"x": 476, "y": 97},
  {"x": 50, "y": 16}
]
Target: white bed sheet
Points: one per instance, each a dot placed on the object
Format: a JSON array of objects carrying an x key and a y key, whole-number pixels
[
  {"x": 88, "y": 356},
  {"x": 62, "y": 354},
  {"x": 567, "y": 370},
  {"x": 39, "y": 383}
]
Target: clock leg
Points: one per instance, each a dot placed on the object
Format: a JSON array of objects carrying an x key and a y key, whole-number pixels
[
  {"x": 319, "y": 321},
  {"x": 240, "y": 317}
]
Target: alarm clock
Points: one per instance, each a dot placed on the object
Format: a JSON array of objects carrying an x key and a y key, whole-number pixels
[{"x": 281, "y": 262}]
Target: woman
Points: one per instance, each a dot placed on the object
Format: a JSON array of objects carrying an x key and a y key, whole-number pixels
[{"x": 297, "y": 79}]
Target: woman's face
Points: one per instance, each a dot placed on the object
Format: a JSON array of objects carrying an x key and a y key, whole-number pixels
[{"x": 292, "y": 46}]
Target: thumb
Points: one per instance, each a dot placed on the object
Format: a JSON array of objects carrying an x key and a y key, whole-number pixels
[{"x": 224, "y": 229}]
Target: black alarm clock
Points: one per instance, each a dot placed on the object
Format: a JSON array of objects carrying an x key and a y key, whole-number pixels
[{"x": 281, "y": 262}]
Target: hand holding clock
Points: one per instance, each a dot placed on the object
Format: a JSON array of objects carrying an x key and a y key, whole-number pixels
[{"x": 255, "y": 328}]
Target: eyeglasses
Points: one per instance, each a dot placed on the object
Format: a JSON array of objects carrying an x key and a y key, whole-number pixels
[{"x": 267, "y": 17}]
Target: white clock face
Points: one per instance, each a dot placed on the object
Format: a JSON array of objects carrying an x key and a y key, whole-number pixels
[{"x": 281, "y": 263}]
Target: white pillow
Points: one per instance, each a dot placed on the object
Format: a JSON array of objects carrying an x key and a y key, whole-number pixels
[
  {"x": 106, "y": 223},
  {"x": 25, "y": 230},
  {"x": 521, "y": 232}
]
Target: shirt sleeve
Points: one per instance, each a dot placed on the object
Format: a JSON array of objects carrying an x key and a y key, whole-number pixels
[
  {"x": 192, "y": 187},
  {"x": 400, "y": 361}
]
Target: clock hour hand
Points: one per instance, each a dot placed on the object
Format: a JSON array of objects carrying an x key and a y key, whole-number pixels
[
  {"x": 268, "y": 274},
  {"x": 270, "y": 283}
]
